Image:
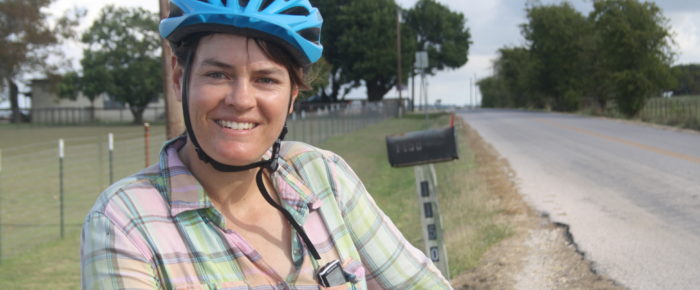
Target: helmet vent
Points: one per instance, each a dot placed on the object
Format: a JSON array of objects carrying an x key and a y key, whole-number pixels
[
  {"x": 175, "y": 11},
  {"x": 311, "y": 34},
  {"x": 243, "y": 3},
  {"x": 265, "y": 4},
  {"x": 298, "y": 10}
]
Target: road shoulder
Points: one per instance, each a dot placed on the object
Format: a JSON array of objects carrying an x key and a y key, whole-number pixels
[{"x": 540, "y": 254}]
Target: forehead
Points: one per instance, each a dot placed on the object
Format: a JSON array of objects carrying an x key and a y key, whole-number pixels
[{"x": 231, "y": 48}]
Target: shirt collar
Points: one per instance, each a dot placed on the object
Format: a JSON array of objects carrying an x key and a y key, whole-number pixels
[{"x": 185, "y": 193}]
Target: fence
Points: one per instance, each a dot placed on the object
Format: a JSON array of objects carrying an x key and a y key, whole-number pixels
[
  {"x": 43, "y": 196},
  {"x": 676, "y": 111},
  {"x": 78, "y": 116}
]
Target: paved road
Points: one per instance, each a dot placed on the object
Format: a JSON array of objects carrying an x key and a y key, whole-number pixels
[{"x": 630, "y": 193}]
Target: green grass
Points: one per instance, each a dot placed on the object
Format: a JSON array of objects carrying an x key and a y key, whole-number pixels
[
  {"x": 30, "y": 184},
  {"x": 469, "y": 210},
  {"x": 54, "y": 265}
]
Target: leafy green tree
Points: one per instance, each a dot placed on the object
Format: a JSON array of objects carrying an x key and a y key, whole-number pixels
[
  {"x": 26, "y": 41},
  {"x": 493, "y": 91},
  {"x": 440, "y": 32},
  {"x": 368, "y": 47},
  {"x": 633, "y": 44},
  {"x": 515, "y": 67},
  {"x": 556, "y": 35},
  {"x": 122, "y": 59},
  {"x": 687, "y": 79},
  {"x": 339, "y": 85}
]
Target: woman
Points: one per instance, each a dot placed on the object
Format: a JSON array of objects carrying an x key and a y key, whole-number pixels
[{"x": 229, "y": 205}]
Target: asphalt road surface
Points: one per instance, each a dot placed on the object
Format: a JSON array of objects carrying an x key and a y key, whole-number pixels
[{"x": 630, "y": 193}]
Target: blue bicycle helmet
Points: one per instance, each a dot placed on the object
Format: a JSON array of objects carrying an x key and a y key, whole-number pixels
[{"x": 294, "y": 24}]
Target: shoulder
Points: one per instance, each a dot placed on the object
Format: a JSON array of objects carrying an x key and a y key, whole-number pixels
[
  {"x": 319, "y": 169},
  {"x": 131, "y": 197},
  {"x": 300, "y": 154},
  {"x": 312, "y": 162}
]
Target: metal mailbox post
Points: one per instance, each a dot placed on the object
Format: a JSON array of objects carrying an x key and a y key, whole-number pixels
[{"x": 421, "y": 149}]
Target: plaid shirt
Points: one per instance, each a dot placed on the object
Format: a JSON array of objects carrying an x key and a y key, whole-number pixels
[{"x": 159, "y": 229}]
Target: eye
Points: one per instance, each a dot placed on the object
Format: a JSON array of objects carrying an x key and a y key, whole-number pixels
[
  {"x": 216, "y": 75},
  {"x": 266, "y": 80}
]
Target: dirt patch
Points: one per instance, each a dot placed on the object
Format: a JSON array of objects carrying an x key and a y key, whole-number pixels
[{"x": 540, "y": 254}]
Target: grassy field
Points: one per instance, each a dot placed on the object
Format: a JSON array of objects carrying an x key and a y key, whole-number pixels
[
  {"x": 469, "y": 209},
  {"x": 30, "y": 184},
  {"x": 681, "y": 111},
  {"x": 468, "y": 206}
]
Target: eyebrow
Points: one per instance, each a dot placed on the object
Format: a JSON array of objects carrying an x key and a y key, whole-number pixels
[
  {"x": 216, "y": 63},
  {"x": 223, "y": 65}
]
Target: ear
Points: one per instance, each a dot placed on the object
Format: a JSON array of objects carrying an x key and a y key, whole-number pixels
[
  {"x": 176, "y": 77},
  {"x": 295, "y": 94}
]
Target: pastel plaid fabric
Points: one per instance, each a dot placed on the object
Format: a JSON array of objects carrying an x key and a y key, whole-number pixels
[{"x": 158, "y": 229}]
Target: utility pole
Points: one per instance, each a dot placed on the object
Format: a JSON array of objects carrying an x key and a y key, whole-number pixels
[
  {"x": 475, "y": 92},
  {"x": 398, "y": 58},
  {"x": 471, "y": 91},
  {"x": 174, "y": 124}
]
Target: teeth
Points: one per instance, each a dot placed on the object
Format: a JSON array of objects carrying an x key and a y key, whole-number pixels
[{"x": 235, "y": 125}]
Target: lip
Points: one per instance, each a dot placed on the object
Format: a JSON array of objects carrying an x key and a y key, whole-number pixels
[{"x": 236, "y": 125}]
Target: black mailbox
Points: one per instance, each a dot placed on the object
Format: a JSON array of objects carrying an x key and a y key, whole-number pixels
[{"x": 421, "y": 147}]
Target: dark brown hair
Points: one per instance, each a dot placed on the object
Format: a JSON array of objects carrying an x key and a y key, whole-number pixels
[{"x": 297, "y": 73}]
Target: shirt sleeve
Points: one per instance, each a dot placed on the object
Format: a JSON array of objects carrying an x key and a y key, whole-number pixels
[
  {"x": 390, "y": 260},
  {"x": 109, "y": 260}
]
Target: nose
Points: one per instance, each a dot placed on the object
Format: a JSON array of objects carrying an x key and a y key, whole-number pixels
[{"x": 240, "y": 95}]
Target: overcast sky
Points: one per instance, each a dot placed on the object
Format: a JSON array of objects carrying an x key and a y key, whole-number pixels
[{"x": 493, "y": 24}]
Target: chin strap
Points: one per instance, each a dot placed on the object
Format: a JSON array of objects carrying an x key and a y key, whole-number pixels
[{"x": 271, "y": 164}]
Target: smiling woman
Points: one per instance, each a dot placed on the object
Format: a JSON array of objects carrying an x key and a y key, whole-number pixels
[{"x": 230, "y": 205}]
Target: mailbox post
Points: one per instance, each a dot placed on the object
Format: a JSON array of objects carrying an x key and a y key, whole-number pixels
[{"x": 421, "y": 149}]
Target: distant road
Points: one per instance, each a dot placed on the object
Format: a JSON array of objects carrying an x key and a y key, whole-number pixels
[{"x": 630, "y": 193}]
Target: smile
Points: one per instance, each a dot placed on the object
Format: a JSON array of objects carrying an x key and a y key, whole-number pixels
[{"x": 235, "y": 125}]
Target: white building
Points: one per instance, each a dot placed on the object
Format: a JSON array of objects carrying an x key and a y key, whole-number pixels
[{"x": 47, "y": 107}]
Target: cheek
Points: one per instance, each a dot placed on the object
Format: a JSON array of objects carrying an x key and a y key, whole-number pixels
[
  {"x": 275, "y": 108},
  {"x": 204, "y": 98}
]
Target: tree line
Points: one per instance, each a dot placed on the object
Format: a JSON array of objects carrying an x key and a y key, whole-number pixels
[
  {"x": 121, "y": 55},
  {"x": 617, "y": 56}
]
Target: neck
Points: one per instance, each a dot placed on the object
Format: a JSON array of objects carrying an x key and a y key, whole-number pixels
[{"x": 225, "y": 189}]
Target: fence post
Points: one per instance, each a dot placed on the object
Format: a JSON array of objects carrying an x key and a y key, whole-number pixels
[
  {"x": 147, "y": 141},
  {"x": 60, "y": 178},
  {"x": 110, "y": 146}
]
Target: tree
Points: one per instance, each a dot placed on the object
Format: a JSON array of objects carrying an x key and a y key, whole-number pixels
[
  {"x": 27, "y": 40},
  {"x": 122, "y": 58},
  {"x": 338, "y": 83},
  {"x": 557, "y": 36},
  {"x": 493, "y": 92},
  {"x": 514, "y": 67},
  {"x": 687, "y": 79},
  {"x": 440, "y": 32},
  {"x": 633, "y": 43},
  {"x": 368, "y": 48}
]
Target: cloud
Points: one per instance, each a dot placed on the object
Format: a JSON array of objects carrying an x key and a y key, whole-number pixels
[
  {"x": 685, "y": 28},
  {"x": 678, "y": 5}
]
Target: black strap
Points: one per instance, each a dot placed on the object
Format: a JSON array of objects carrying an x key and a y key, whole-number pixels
[{"x": 297, "y": 227}]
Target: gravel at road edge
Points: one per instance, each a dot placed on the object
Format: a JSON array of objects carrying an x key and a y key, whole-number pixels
[{"x": 539, "y": 254}]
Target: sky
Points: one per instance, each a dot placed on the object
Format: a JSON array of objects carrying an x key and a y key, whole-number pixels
[{"x": 493, "y": 25}]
